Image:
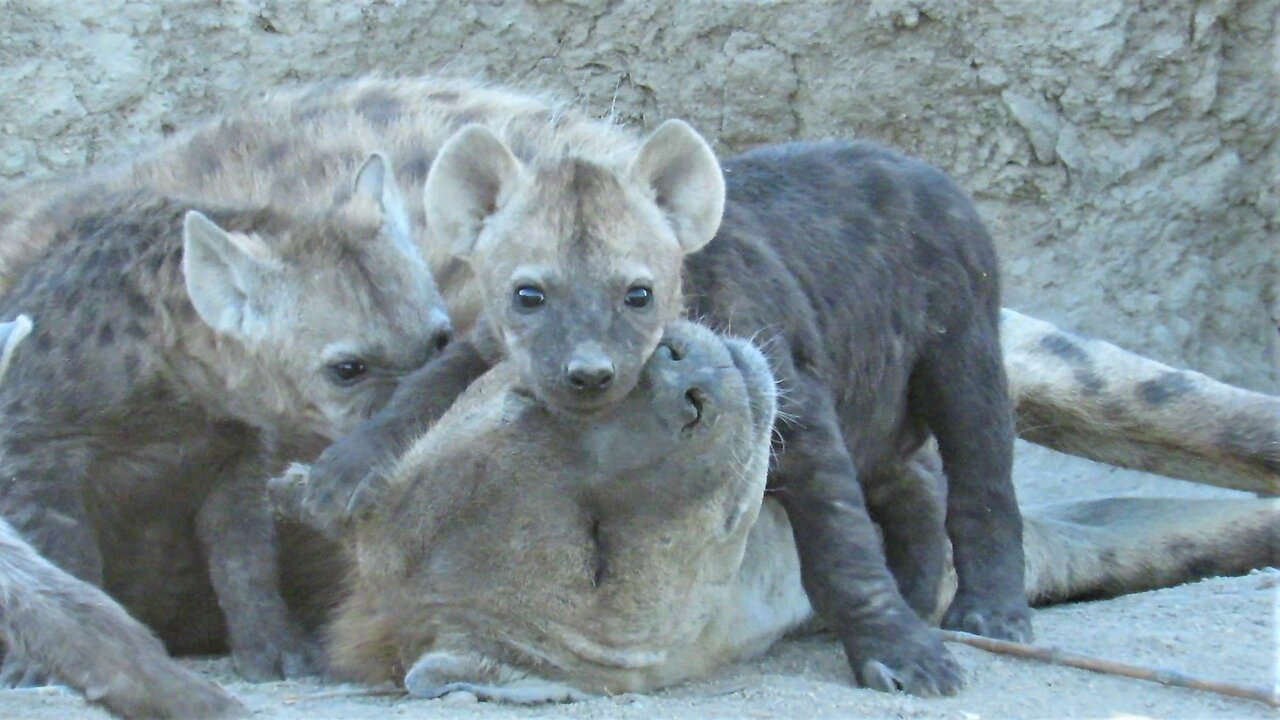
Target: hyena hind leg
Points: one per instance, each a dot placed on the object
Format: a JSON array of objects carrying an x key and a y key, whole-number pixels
[
  {"x": 1090, "y": 398},
  {"x": 1114, "y": 546}
]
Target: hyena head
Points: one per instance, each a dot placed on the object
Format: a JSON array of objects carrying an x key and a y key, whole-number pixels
[
  {"x": 331, "y": 309},
  {"x": 578, "y": 263}
]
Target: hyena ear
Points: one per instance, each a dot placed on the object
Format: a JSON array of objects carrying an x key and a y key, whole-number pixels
[
  {"x": 225, "y": 275},
  {"x": 377, "y": 180},
  {"x": 687, "y": 183},
  {"x": 468, "y": 182},
  {"x": 12, "y": 333}
]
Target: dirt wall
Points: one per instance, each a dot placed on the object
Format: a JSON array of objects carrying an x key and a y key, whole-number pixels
[{"x": 1124, "y": 153}]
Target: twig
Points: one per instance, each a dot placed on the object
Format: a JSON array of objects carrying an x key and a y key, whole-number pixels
[
  {"x": 1099, "y": 665},
  {"x": 359, "y": 692}
]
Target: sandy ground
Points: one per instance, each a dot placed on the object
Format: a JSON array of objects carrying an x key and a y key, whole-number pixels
[{"x": 1223, "y": 629}]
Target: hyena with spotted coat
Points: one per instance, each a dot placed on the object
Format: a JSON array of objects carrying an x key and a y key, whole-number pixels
[{"x": 184, "y": 352}]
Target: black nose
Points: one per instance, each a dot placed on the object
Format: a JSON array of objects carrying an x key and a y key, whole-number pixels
[
  {"x": 440, "y": 338},
  {"x": 589, "y": 375}
]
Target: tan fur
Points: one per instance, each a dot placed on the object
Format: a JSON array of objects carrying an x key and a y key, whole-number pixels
[
  {"x": 298, "y": 146},
  {"x": 584, "y": 516}
]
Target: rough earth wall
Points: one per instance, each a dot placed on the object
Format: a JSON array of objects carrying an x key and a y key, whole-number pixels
[{"x": 1123, "y": 152}]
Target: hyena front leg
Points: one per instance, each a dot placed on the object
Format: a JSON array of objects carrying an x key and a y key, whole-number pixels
[
  {"x": 1090, "y": 398},
  {"x": 81, "y": 636},
  {"x": 236, "y": 528}
]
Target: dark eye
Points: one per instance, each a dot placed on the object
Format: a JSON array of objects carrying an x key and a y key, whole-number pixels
[
  {"x": 529, "y": 297},
  {"x": 638, "y": 297},
  {"x": 347, "y": 372}
]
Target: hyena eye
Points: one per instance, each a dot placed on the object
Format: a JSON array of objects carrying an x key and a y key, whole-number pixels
[
  {"x": 638, "y": 297},
  {"x": 529, "y": 297},
  {"x": 347, "y": 372}
]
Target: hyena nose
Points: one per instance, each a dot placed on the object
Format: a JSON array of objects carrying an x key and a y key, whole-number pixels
[
  {"x": 441, "y": 331},
  {"x": 590, "y": 374}
]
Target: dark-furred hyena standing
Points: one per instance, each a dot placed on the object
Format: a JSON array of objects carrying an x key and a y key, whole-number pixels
[
  {"x": 182, "y": 354},
  {"x": 572, "y": 237},
  {"x": 874, "y": 287}
]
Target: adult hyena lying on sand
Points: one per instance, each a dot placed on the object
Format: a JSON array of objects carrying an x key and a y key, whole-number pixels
[
  {"x": 525, "y": 555},
  {"x": 586, "y": 230},
  {"x": 181, "y": 357}
]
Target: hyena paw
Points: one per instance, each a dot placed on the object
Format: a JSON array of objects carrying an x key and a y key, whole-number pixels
[
  {"x": 915, "y": 662},
  {"x": 982, "y": 616},
  {"x": 290, "y": 656}
]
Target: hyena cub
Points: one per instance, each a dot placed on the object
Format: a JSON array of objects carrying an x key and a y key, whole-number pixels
[
  {"x": 181, "y": 357},
  {"x": 874, "y": 285}
]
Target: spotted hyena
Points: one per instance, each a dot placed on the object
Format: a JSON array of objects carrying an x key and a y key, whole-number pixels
[{"x": 183, "y": 352}]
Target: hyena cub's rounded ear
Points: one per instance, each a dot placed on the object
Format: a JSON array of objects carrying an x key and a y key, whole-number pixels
[
  {"x": 376, "y": 179},
  {"x": 227, "y": 276},
  {"x": 468, "y": 182},
  {"x": 687, "y": 183}
]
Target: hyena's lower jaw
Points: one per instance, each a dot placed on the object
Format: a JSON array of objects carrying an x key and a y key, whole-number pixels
[{"x": 439, "y": 673}]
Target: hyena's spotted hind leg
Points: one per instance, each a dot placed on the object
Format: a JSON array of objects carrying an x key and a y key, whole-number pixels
[{"x": 1090, "y": 398}]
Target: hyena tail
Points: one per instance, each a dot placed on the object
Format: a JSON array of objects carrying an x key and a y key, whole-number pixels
[
  {"x": 1090, "y": 398},
  {"x": 1112, "y": 546},
  {"x": 74, "y": 631}
]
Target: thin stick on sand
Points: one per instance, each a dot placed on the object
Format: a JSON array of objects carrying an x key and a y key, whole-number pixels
[
  {"x": 1099, "y": 665},
  {"x": 379, "y": 691}
]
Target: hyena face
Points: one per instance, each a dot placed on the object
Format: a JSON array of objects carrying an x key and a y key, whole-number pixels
[
  {"x": 331, "y": 310},
  {"x": 579, "y": 264}
]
